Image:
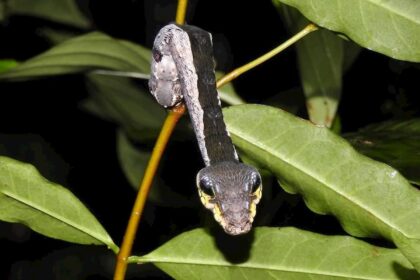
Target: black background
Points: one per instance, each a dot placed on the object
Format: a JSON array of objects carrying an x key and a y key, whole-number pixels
[{"x": 41, "y": 122}]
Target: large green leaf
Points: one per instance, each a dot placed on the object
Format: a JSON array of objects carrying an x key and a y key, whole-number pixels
[
  {"x": 369, "y": 198},
  {"x": 285, "y": 253},
  {"x": 320, "y": 57},
  {"x": 88, "y": 52},
  {"x": 28, "y": 198},
  {"x": 396, "y": 143},
  {"x": 390, "y": 27},
  {"x": 62, "y": 11}
]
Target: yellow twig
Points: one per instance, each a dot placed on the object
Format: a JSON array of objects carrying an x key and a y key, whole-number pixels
[
  {"x": 181, "y": 11},
  {"x": 130, "y": 233},
  {"x": 239, "y": 71},
  {"x": 171, "y": 120}
]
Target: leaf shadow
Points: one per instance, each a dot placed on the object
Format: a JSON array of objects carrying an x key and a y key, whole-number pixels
[
  {"x": 235, "y": 249},
  {"x": 404, "y": 272}
]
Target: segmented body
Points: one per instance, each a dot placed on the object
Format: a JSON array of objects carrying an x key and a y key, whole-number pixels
[{"x": 183, "y": 71}]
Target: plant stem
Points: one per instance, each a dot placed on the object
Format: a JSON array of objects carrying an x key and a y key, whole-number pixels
[
  {"x": 168, "y": 126},
  {"x": 181, "y": 11},
  {"x": 240, "y": 70},
  {"x": 127, "y": 244}
]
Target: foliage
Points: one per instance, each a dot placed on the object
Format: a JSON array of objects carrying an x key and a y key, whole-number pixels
[
  {"x": 392, "y": 142},
  {"x": 27, "y": 198},
  {"x": 365, "y": 179},
  {"x": 389, "y": 27},
  {"x": 285, "y": 253}
]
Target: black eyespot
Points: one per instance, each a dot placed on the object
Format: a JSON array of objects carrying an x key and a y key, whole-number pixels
[
  {"x": 206, "y": 186},
  {"x": 157, "y": 56},
  {"x": 256, "y": 182}
]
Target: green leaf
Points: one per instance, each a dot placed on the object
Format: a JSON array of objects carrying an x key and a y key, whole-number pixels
[
  {"x": 396, "y": 143},
  {"x": 134, "y": 162},
  {"x": 278, "y": 253},
  {"x": 54, "y": 36},
  {"x": 88, "y": 52},
  {"x": 320, "y": 58},
  {"x": 120, "y": 100},
  {"x": 61, "y": 11},
  {"x": 28, "y": 198},
  {"x": 336, "y": 125},
  {"x": 369, "y": 198},
  {"x": 6, "y": 64},
  {"x": 389, "y": 27}
]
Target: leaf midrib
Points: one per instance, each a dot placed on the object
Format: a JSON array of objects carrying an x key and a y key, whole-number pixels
[
  {"x": 388, "y": 8},
  {"x": 248, "y": 266},
  {"x": 108, "y": 40},
  {"x": 92, "y": 53},
  {"x": 57, "y": 217},
  {"x": 13, "y": 71}
]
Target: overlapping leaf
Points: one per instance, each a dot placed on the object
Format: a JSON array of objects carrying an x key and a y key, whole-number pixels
[
  {"x": 396, "y": 143},
  {"x": 88, "y": 52},
  {"x": 28, "y": 198},
  {"x": 120, "y": 100},
  {"x": 369, "y": 198},
  {"x": 133, "y": 162},
  {"x": 62, "y": 11},
  {"x": 320, "y": 57},
  {"x": 285, "y": 253},
  {"x": 389, "y": 27}
]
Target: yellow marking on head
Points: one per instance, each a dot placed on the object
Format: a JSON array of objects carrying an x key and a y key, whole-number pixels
[
  {"x": 205, "y": 199},
  {"x": 253, "y": 208},
  {"x": 252, "y": 211},
  {"x": 257, "y": 194},
  {"x": 218, "y": 214}
]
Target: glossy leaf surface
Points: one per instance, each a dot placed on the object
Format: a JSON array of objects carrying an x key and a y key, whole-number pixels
[
  {"x": 284, "y": 253},
  {"x": 50, "y": 209},
  {"x": 389, "y": 27},
  {"x": 369, "y": 198}
]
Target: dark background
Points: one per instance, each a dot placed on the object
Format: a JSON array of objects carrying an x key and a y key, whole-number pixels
[{"x": 41, "y": 122}]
